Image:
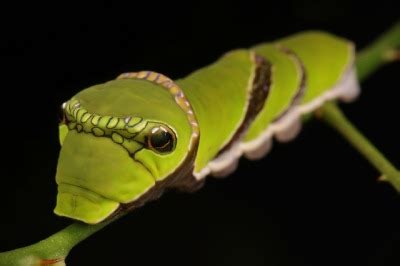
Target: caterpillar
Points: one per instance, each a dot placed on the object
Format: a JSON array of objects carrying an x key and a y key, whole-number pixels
[{"x": 128, "y": 140}]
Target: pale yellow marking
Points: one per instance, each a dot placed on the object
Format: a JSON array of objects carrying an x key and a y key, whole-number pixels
[
  {"x": 97, "y": 131},
  {"x": 71, "y": 125},
  {"x": 104, "y": 121},
  {"x": 95, "y": 120},
  {"x": 86, "y": 117},
  {"x": 162, "y": 79},
  {"x": 152, "y": 76},
  {"x": 174, "y": 89},
  {"x": 117, "y": 138},
  {"x": 141, "y": 74},
  {"x": 137, "y": 128},
  {"x": 113, "y": 122},
  {"x": 80, "y": 113},
  {"x": 134, "y": 121},
  {"x": 79, "y": 128}
]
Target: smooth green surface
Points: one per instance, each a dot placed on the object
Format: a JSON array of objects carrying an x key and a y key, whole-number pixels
[
  {"x": 286, "y": 77},
  {"x": 326, "y": 58},
  {"x": 219, "y": 95},
  {"x": 102, "y": 162},
  {"x": 63, "y": 131},
  {"x": 96, "y": 166},
  {"x": 83, "y": 204}
]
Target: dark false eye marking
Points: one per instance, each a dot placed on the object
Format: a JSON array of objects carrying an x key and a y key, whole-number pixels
[{"x": 161, "y": 139}]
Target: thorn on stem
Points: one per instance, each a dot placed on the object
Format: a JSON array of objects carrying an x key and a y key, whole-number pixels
[
  {"x": 381, "y": 178},
  {"x": 392, "y": 55},
  {"x": 54, "y": 262},
  {"x": 318, "y": 113}
]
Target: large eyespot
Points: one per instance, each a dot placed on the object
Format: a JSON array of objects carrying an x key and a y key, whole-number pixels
[{"x": 161, "y": 139}]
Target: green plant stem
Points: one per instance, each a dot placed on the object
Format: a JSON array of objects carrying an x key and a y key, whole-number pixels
[
  {"x": 333, "y": 116},
  {"x": 378, "y": 53},
  {"x": 368, "y": 61},
  {"x": 54, "y": 247},
  {"x": 371, "y": 58}
]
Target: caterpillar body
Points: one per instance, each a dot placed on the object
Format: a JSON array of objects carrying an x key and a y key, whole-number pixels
[{"x": 125, "y": 141}]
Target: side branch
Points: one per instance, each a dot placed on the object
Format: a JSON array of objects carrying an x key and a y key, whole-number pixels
[
  {"x": 331, "y": 114},
  {"x": 54, "y": 249},
  {"x": 385, "y": 49}
]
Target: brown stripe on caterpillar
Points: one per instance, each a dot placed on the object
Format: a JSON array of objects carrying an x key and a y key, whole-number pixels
[{"x": 260, "y": 85}]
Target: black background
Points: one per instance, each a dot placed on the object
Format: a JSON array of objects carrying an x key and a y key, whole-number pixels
[{"x": 314, "y": 201}]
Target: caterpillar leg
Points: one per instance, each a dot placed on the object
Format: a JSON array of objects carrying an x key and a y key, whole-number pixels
[
  {"x": 189, "y": 184},
  {"x": 226, "y": 163},
  {"x": 290, "y": 130},
  {"x": 350, "y": 88},
  {"x": 259, "y": 148}
]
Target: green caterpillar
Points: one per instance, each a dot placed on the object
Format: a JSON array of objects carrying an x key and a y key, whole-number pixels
[{"x": 125, "y": 141}]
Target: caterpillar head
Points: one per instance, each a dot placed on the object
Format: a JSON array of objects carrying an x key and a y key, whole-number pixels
[{"x": 121, "y": 141}]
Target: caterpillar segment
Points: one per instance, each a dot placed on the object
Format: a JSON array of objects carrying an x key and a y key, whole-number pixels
[
  {"x": 125, "y": 141},
  {"x": 241, "y": 80},
  {"x": 327, "y": 63},
  {"x": 279, "y": 116},
  {"x": 307, "y": 70}
]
